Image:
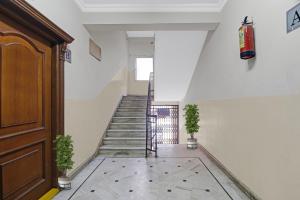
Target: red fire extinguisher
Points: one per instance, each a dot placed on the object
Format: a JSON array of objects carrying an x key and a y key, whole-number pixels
[{"x": 247, "y": 42}]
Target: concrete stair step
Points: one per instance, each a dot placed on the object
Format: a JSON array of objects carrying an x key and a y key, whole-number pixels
[
  {"x": 124, "y": 138},
  {"x": 122, "y": 153},
  {"x": 130, "y": 126},
  {"x": 135, "y": 97},
  {"x": 129, "y": 119},
  {"x": 125, "y": 133},
  {"x": 144, "y": 106},
  {"x": 135, "y": 100},
  {"x": 122, "y": 150},
  {"x": 124, "y": 141},
  {"x": 133, "y": 103},
  {"x": 140, "y": 105},
  {"x": 131, "y": 109},
  {"x": 130, "y": 114},
  {"x": 123, "y": 147}
]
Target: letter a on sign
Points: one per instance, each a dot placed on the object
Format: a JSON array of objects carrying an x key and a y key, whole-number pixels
[
  {"x": 293, "y": 18},
  {"x": 296, "y": 18}
]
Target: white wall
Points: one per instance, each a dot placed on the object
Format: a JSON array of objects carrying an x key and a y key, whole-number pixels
[
  {"x": 87, "y": 118},
  {"x": 114, "y": 47},
  {"x": 176, "y": 56},
  {"x": 68, "y": 16},
  {"x": 84, "y": 78},
  {"x": 249, "y": 110},
  {"x": 274, "y": 71},
  {"x": 138, "y": 47},
  {"x": 92, "y": 88}
]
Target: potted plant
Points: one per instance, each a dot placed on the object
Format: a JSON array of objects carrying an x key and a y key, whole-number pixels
[
  {"x": 64, "y": 162},
  {"x": 191, "y": 123}
]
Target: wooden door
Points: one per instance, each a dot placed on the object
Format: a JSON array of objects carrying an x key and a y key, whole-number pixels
[{"x": 25, "y": 114}]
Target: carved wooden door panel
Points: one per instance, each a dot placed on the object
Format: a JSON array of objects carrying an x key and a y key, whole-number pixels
[{"x": 25, "y": 115}]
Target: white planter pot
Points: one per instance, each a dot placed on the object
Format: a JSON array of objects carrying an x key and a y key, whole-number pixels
[
  {"x": 64, "y": 183},
  {"x": 192, "y": 143}
]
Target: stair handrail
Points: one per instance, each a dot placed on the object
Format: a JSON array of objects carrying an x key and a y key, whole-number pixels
[{"x": 151, "y": 120}]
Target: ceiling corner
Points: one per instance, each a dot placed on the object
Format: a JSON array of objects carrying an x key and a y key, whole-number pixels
[{"x": 80, "y": 4}]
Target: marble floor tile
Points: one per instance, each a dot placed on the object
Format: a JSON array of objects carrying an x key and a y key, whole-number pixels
[
  {"x": 79, "y": 179},
  {"x": 178, "y": 173},
  {"x": 180, "y": 150}
]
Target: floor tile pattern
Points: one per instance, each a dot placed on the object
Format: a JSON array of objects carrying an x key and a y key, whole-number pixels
[
  {"x": 151, "y": 179},
  {"x": 178, "y": 173}
]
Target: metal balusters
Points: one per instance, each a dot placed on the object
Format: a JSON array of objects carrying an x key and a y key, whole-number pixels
[{"x": 151, "y": 121}]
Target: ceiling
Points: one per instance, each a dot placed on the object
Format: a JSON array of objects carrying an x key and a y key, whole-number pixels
[
  {"x": 140, "y": 34},
  {"x": 151, "y": 5},
  {"x": 147, "y": 1},
  {"x": 142, "y": 29}
]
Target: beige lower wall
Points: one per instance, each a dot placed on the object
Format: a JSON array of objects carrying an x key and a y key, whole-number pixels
[
  {"x": 87, "y": 120},
  {"x": 136, "y": 87},
  {"x": 257, "y": 139}
]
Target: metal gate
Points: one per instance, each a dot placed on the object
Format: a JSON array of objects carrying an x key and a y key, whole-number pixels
[{"x": 167, "y": 123}]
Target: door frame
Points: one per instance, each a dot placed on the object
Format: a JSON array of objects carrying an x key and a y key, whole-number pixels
[{"x": 28, "y": 18}]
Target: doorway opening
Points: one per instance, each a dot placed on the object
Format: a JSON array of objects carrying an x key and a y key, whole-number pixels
[{"x": 167, "y": 123}]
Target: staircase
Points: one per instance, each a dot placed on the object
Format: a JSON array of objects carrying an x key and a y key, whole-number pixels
[{"x": 126, "y": 134}]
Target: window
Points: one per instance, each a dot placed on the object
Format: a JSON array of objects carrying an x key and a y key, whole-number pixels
[{"x": 144, "y": 66}]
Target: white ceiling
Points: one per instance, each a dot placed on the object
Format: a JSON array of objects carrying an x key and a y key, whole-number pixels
[
  {"x": 141, "y": 28},
  {"x": 140, "y": 34},
  {"x": 148, "y": 1},
  {"x": 151, "y": 5}
]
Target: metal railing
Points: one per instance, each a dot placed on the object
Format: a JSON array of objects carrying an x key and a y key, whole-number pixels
[{"x": 151, "y": 121}]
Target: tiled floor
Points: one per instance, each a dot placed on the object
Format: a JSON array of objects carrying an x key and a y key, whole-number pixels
[{"x": 178, "y": 173}]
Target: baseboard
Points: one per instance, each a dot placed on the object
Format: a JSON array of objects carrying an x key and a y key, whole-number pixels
[
  {"x": 238, "y": 183},
  {"x": 76, "y": 171}
]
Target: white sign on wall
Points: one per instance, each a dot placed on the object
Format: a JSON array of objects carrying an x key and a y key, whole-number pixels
[
  {"x": 293, "y": 18},
  {"x": 68, "y": 55}
]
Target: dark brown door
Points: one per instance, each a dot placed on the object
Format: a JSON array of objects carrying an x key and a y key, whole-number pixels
[{"x": 25, "y": 114}]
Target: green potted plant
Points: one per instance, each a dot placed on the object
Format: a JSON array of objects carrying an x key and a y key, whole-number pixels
[
  {"x": 64, "y": 162},
  {"x": 191, "y": 124}
]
